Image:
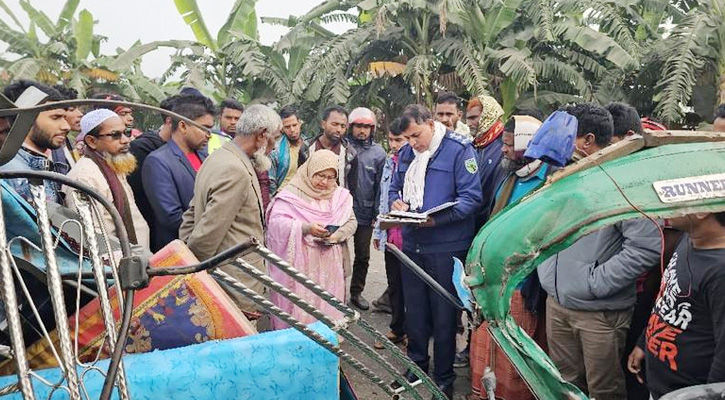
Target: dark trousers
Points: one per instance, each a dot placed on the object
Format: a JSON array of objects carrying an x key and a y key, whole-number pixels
[
  {"x": 428, "y": 314},
  {"x": 395, "y": 293},
  {"x": 363, "y": 235},
  {"x": 640, "y": 316}
]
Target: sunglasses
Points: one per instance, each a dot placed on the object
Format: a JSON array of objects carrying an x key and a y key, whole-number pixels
[{"x": 116, "y": 135}]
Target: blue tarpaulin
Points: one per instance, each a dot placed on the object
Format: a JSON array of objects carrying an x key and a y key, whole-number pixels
[{"x": 277, "y": 365}]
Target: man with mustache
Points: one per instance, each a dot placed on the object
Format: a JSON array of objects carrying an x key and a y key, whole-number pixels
[
  {"x": 227, "y": 205},
  {"x": 68, "y": 153},
  {"x": 105, "y": 164},
  {"x": 291, "y": 150},
  {"x": 334, "y": 127},
  {"x": 168, "y": 173},
  {"x": 448, "y": 113}
]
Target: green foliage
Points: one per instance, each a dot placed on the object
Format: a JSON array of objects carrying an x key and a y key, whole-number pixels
[
  {"x": 189, "y": 10},
  {"x": 696, "y": 46},
  {"x": 659, "y": 55}
]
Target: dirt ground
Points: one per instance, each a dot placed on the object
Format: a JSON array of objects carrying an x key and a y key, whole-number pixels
[{"x": 364, "y": 389}]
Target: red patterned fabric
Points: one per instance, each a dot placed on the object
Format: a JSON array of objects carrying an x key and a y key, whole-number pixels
[
  {"x": 173, "y": 311},
  {"x": 485, "y": 352},
  {"x": 487, "y": 138}
]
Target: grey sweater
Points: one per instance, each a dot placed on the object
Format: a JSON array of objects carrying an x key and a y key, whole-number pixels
[{"x": 599, "y": 271}]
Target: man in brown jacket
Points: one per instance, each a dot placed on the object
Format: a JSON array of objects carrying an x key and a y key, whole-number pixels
[{"x": 227, "y": 206}]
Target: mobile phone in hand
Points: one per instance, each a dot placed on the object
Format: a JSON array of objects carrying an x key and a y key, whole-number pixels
[{"x": 332, "y": 228}]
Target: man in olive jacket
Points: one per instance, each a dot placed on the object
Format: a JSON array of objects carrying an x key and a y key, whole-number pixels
[{"x": 227, "y": 206}]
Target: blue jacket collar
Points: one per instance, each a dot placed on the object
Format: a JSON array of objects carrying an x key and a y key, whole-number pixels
[{"x": 34, "y": 160}]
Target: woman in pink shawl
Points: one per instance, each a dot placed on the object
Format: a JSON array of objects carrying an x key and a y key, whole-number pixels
[{"x": 308, "y": 225}]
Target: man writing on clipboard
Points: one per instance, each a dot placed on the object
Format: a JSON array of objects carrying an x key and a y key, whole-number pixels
[{"x": 436, "y": 167}]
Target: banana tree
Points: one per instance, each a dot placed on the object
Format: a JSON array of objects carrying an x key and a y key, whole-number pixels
[
  {"x": 392, "y": 38},
  {"x": 212, "y": 70},
  {"x": 64, "y": 57},
  {"x": 541, "y": 53},
  {"x": 535, "y": 53},
  {"x": 694, "y": 56},
  {"x": 71, "y": 54}
]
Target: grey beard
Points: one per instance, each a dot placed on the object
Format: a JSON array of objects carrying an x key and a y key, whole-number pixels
[
  {"x": 512, "y": 165},
  {"x": 260, "y": 161}
]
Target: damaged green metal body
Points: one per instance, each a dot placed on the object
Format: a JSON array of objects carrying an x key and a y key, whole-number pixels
[{"x": 522, "y": 236}]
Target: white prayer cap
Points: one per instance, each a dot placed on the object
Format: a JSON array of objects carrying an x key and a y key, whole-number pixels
[
  {"x": 524, "y": 130},
  {"x": 94, "y": 118}
]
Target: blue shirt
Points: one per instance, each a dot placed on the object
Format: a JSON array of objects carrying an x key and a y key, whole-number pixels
[
  {"x": 525, "y": 185},
  {"x": 384, "y": 207}
]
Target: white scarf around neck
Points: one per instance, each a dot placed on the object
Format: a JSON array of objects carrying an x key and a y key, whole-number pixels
[
  {"x": 414, "y": 185},
  {"x": 529, "y": 169}
]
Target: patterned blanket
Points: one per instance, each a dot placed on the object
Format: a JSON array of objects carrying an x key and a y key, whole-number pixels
[{"x": 172, "y": 312}]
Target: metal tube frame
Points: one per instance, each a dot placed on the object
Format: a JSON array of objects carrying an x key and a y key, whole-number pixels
[
  {"x": 350, "y": 314},
  {"x": 9, "y": 296},
  {"x": 339, "y": 327},
  {"x": 84, "y": 211},
  {"x": 55, "y": 288}
]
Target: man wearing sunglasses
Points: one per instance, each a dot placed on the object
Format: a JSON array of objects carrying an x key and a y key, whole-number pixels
[{"x": 105, "y": 165}]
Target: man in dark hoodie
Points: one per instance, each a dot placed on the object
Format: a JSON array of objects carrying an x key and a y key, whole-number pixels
[{"x": 364, "y": 184}]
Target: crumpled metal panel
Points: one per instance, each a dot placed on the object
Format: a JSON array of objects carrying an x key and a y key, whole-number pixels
[{"x": 525, "y": 234}]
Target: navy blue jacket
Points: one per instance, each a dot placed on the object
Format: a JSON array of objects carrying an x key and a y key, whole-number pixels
[
  {"x": 452, "y": 175},
  {"x": 168, "y": 180},
  {"x": 491, "y": 174}
]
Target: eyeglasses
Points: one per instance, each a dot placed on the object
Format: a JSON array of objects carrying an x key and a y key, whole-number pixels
[
  {"x": 320, "y": 177},
  {"x": 116, "y": 135}
]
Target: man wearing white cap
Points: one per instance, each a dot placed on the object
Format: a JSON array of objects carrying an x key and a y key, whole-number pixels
[
  {"x": 364, "y": 184},
  {"x": 105, "y": 165},
  {"x": 523, "y": 175}
]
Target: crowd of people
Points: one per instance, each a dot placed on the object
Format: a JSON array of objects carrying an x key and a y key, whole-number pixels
[{"x": 596, "y": 307}]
